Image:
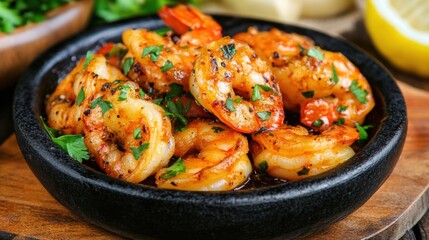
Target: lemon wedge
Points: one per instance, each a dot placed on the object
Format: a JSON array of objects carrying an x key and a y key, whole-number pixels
[{"x": 400, "y": 31}]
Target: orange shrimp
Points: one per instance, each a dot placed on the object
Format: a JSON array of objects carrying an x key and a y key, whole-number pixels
[
  {"x": 195, "y": 27},
  {"x": 230, "y": 81}
]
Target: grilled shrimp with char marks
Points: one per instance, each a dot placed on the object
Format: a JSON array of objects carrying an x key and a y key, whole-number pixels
[{"x": 230, "y": 81}]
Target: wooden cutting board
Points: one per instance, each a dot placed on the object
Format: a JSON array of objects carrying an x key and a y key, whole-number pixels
[{"x": 27, "y": 210}]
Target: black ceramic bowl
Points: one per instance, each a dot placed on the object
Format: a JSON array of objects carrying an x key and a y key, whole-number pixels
[{"x": 137, "y": 211}]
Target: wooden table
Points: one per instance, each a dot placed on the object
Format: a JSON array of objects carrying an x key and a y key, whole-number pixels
[{"x": 27, "y": 210}]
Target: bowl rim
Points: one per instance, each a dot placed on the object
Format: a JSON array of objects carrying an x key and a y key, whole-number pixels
[{"x": 389, "y": 132}]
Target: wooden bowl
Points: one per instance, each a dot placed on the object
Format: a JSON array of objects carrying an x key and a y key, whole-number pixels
[{"x": 22, "y": 46}]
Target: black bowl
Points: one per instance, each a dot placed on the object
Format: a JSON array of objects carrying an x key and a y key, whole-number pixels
[{"x": 137, "y": 211}]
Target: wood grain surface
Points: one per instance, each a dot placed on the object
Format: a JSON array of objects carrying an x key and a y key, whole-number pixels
[{"x": 27, "y": 210}]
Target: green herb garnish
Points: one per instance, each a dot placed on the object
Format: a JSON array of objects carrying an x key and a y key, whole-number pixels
[
  {"x": 124, "y": 90},
  {"x": 263, "y": 166},
  {"x": 308, "y": 94},
  {"x": 340, "y": 121},
  {"x": 80, "y": 96},
  {"x": 72, "y": 144},
  {"x": 137, "y": 133},
  {"x": 88, "y": 58},
  {"x": 104, "y": 105},
  {"x": 264, "y": 115},
  {"x": 174, "y": 170},
  {"x": 359, "y": 93},
  {"x": 126, "y": 66},
  {"x": 176, "y": 90},
  {"x": 256, "y": 93},
  {"x": 228, "y": 51},
  {"x": 316, "y": 53},
  {"x": 334, "y": 74},
  {"x": 363, "y": 134},
  {"x": 137, "y": 151},
  {"x": 303, "y": 171},
  {"x": 342, "y": 109},
  {"x": 142, "y": 93},
  {"x": 229, "y": 105},
  {"x": 154, "y": 52},
  {"x": 318, "y": 123},
  {"x": 167, "y": 66}
]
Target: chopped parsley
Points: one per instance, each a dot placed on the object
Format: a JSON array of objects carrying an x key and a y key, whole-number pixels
[
  {"x": 363, "y": 134},
  {"x": 117, "y": 52},
  {"x": 175, "y": 91},
  {"x": 88, "y": 58},
  {"x": 316, "y": 53},
  {"x": 263, "y": 166},
  {"x": 174, "y": 170},
  {"x": 229, "y": 105},
  {"x": 256, "y": 93},
  {"x": 167, "y": 66},
  {"x": 217, "y": 129},
  {"x": 342, "y": 109},
  {"x": 154, "y": 52},
  {"x": 238, "y": 100},
  {"x": 334, "y": 74},
  {"x": 163, "y": 31},
  {"x": 308, "y": 94},
  {"x": 142, "y": 93},
  {"x": 104, "y": 105},
  {"x": 359, "y": 93},
  {"x": 340, "y": 121},
  {"x": 72, "y": 144},
  {"x": 303, "y": 171},
  {"x": 137, "y": 133},
  {"x": 124, "y": 90},
  {"x": 264, "y": 115},
  {"x": 228, "y": 51},
  {"x": 318, "y": 123},
  {"x": 137, "y": 151},
  {"x": 126, "y": 66},
  {"x": 80, "y": 96}
]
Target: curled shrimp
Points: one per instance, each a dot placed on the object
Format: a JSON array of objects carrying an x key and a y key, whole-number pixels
[
  {"x": 62, "y": 107},
  {"x": 195, "y": 27},
  {"x": 230, "y": 81},
  {"x": 214, "y": 157},
  {"x": 327, "y": 91},
  {"x": 293, "y": 153},
  {"x": 129, "y": 137},
  {"x": 158, "y": 61},
  {"x": 275, "y": 46}
]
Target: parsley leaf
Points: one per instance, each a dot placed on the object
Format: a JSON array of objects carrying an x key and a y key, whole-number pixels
[
  {"x": 318, "y": 123},
  {"x": 126, "y": 66},
  {"x": 359, "y": 93},
  {"x": 72, "y": 144},
  {"x": 124, "y": 90},
  {"x": 104, "y": 105},
  {"x": 228, "y": 51},
  {"x": 167, "y": 66},
  {"x": 142, "y": 93},
  {"x": 154, "y": 52},
  {"x": 80, "y": 96},
  {"x": 363, "y": 135},
  {"x": 163, "y": 31},
  {"x": 175, "y": 91},
  {"x": 308, "y": 94},
  {"x": 230, "y": 105},
  {"x": 137, "y": 151},
  {"x": 256, "y": 93},
  {"x": 340, "y": 121},
  {"x": 316, "y": 53},
  {"x": 137, "y": 133},
  {"x": 263, "y": 166},
  {"x": 174, "y": 170},
  {"x": 342, "y": 109},
  {"x": 334, "y": 74},
  {"x": 264, "y": 115},
  {"x": 88, "y": 58}
]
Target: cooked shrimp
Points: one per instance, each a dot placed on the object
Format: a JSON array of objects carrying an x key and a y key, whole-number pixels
[
  {"x": 275, "y": 46},
  {"x": 293, "y": 153},
  {"x": 325, "y": 91},
  {"x": 230, "y": 81},
  {"x": 308, "y": 84},
  {"x": 214, "y": 157},
  {"x": 196, "y": 28},
  {"x": 159, "y": 61},
  {"x": 62, "y": 109},
  {"x": 130, "y": 138}
]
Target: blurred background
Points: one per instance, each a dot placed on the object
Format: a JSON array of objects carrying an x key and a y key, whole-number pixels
[{"x": 396, "y": 32}]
